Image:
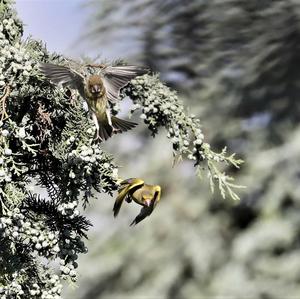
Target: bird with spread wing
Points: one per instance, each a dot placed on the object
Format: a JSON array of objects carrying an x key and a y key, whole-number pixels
[
  {"x": 98, "y": 90},
  {"x": 143, "y": 194}
]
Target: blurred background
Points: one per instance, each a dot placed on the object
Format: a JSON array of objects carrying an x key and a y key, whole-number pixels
[{"x": 236, "y": 65}]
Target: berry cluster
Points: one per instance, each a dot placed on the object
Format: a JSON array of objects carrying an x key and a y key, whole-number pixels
[
  {"x": 90, "y": 166},
  {"x": 15, "y": 60},
  {"x": 161, "y": 107},
  {"x": 47, "y": 286}
]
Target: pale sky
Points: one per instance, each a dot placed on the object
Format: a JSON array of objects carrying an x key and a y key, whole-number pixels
[{"x": 60, "y": 24}]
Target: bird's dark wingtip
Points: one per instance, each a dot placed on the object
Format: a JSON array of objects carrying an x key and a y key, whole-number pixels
[
  {"x": 133, "y": 223},
  {"x": 143, "y": 71}
]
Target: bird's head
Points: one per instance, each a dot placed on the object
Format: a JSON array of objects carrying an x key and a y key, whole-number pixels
[
  {"x": 150, "y": 195},
  {"x": 95, "y": 84}
]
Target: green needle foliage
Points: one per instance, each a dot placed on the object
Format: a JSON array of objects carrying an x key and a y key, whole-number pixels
[{"x": 46, "y": 139}]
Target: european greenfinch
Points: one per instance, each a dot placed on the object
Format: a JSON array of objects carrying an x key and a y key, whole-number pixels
[{"x": 143, "y": 194}]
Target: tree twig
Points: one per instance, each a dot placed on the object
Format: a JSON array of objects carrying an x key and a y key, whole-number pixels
[{"x": 7, "y": 91}]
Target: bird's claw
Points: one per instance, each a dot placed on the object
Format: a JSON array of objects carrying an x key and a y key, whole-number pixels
[
  {"x": 115, "y": 130},
  {"x": 97, "y": 139}
]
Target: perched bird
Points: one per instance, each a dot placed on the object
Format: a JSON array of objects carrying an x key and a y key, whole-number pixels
[
  {"x": 97, "y": 90},
  {"x": 143, "y": 194}
]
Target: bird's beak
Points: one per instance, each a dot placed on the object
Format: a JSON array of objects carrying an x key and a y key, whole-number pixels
[
  {"x": 96, "y": 88},
  {"x": 147, "y": 202}
]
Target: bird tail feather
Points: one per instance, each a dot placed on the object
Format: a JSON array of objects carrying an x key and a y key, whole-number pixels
[
  {"x": 105, "y": 130},
  {"x": 121, "y": 124}
]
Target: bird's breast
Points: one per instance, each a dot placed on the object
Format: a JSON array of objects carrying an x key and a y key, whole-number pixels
[{"x": 96, "y": 103}]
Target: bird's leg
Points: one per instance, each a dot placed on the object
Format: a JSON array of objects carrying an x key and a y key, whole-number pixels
[
  {"x": 115, "y": 130},
  {"x": 97, "y": 136},
  {"x": 109, "y": 117}
]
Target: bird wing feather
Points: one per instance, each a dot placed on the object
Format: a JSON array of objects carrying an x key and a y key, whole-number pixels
[
  {"x": 126, "y": 186},
  {"x": 63, "y": 75},
  {"x": 116, "y": 77},
  {"x": 157, "y": 194}
]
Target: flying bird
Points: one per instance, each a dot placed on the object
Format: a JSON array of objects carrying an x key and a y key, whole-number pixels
[
  {"x": 98, "y": 90},
  {"x": 143, "y": 194}
]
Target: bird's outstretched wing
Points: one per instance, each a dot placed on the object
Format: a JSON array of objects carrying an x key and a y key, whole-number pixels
[
  {"x": 63, "y": 75},
  {"x": 116, "y": 77},
  {"x": 126, "y": 186}
]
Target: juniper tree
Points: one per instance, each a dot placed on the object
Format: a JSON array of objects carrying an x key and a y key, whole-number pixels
[{"x": 47, "y": 141}]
